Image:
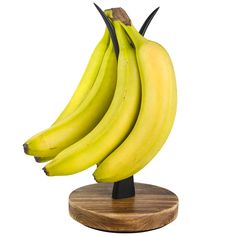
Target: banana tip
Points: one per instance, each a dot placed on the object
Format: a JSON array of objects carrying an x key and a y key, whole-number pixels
[
  {"x": 45, "y": 171},
  {"x": 26, "y": 148},
  {"x": 94, "y": 176},
  {"x": 37, "y": 159}
]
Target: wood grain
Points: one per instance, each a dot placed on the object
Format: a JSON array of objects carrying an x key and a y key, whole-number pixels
[{"x": 151, "y": 208}]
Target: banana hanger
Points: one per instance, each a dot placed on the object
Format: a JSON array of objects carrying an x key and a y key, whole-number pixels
[{"x": 124, "y": 188}]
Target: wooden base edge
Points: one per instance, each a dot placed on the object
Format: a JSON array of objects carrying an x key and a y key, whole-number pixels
[{"x": 152, "y": 207}]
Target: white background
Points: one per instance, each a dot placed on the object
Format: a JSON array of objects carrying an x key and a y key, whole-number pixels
[{"x": 44, "y": 48}]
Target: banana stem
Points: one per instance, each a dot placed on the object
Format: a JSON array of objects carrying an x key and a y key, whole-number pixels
[
  {"x": 135, "y": 36},
  {"x": 119, "y": 14},
  {"x": 121, "y": 36}
]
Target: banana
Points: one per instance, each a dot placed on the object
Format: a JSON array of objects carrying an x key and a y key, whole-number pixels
[
  {"x": 116, "y": 123},
  {"x": 88, "y": 77},
  {"x": 156, "y": 116},
  {"x": 53, "y": 140},
  {"x": 85, "y": 84}
]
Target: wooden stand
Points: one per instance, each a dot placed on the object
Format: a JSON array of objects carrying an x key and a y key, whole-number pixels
[{"x": 152, "y": 207}]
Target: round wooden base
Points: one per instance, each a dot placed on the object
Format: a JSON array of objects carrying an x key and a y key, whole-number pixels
[{"x": 151, "y": 208}]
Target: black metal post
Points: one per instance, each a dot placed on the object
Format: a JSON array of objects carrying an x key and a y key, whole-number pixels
[{"x": 123, "y": 188}]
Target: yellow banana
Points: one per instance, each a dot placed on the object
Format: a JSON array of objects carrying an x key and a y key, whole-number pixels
[
  {"x": 156, "y": 116},
  {"x": 85, "y": 84},
  {"x": 50, "y": 142},
  {"x": 88, "y": 77},
  {"x": 116, "y": 123}
]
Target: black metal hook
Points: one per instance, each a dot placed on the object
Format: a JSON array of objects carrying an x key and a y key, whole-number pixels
[
  {"x": 145, "y": 25},
  {"x": 110, "y": 28}
]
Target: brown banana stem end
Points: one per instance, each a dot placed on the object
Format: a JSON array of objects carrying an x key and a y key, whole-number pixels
[{"x": 120, "y": 14}]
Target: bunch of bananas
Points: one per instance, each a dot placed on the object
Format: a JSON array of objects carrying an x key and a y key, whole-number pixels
[{"x": 121, "y": 113}]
